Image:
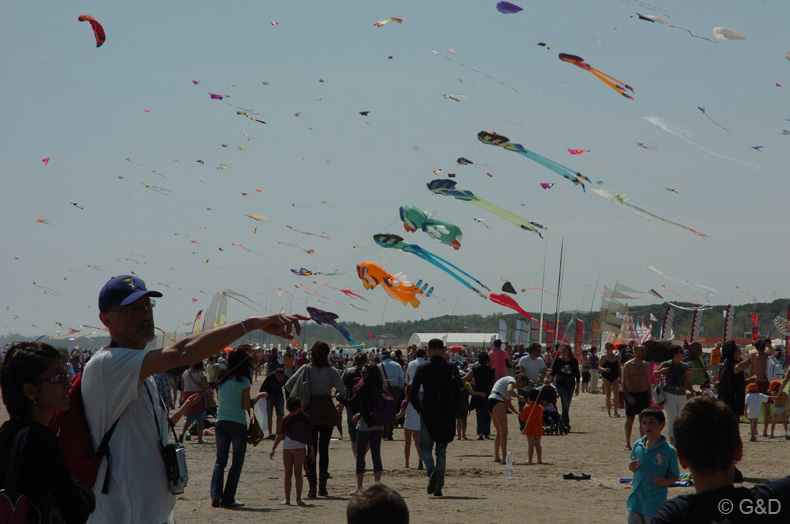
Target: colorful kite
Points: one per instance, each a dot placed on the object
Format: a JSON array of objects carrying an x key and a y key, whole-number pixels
[
  {"x": 302, "y": 272},
  {"x": 396, "y": 242},
  {"x": 45, "y": 161},
  {"x": 579, "y": 153},
  {"x": 651, "y": 18},
  {"x": 98, "y": 30},
  {"x": 445, "y": 232},
  {"x": 243, "y": 113},
  {"x": 701, "y": 108},
  {"x": 622, "y": 200},
  {"x": 507, "y": 8},
  {"x": 494, "y": 139},
  {"x": 546, "y": 185},
  {"x": 260, "y": 218},
  {"x": 507, "y": 301},
  {"x": 396, "y": 286},
  {"x": 325, "y": 317},
  {"x": 620, "y": 87},
  {"x": 447, "y": 188}
]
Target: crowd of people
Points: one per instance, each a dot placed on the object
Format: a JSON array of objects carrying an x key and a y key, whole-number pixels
[{"x": 132, "y": 398}]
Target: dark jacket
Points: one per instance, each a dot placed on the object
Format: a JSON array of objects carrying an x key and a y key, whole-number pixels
[{"x": 442, "y": 390}]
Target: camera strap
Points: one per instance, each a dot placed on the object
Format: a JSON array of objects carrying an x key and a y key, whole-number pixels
[{"x": 156, "y": 419}]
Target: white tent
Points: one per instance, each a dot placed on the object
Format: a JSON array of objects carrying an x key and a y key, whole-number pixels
[{"x": 451, "y": 339}]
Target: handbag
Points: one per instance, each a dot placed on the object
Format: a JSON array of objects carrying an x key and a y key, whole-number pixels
[
  {"x": 657, "y": 392},
  {"x": 254, "y": 431},
  {"x": 302, "y": 387}
]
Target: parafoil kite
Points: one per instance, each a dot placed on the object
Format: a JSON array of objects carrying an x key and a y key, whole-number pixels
[
  {"x": 320, "y": 316},
  {"x": 396, "y": 286},
  {"x": 98, "y": 30},
  {"x": 507, "y": 8},
  {"x": 447, "y": 188},
  {"x": 445, "y": 232},
  {"x": 722, "y": 33},
  {"x": 701, "y": 108},
  {"x": 620, "y": 87},
  {"x": 622, "y": 200},
  {"x": 494, "y": 139},
  {"x": 391, "y": 241},
  {"x": 651, "y": 18}
]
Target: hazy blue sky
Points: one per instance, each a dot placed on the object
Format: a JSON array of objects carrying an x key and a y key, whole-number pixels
[{"x": 125, "y": 114}]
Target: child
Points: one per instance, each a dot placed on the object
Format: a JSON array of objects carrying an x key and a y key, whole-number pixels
[
  {"x": 754, "y": 402},
  {"x": 532, "y": 416},
  {"x": 654, "y": 464},
  {"x": 780, "y": 406},
  {"x": 296, "y": 434},
  {"x": 707, "y": 389},
  {"x": 411, "y": 428}
]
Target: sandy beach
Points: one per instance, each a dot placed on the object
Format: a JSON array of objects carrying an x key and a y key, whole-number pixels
[{"x": 476, "y": 489}]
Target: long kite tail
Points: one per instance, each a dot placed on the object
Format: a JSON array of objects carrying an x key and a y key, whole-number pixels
[{"x": 620, "y": 87}]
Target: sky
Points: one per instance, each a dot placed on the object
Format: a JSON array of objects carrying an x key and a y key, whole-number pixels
[{"x": 135, "y": 180}]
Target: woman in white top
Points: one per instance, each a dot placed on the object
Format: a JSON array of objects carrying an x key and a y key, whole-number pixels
[
  {"x": 499, "y": 402},
  {"x": 195, "y": 382}
]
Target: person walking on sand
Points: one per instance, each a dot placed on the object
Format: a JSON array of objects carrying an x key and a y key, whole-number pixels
[
  {"x": 636, "y": 389},
  {"x": 609, "y": 366}
]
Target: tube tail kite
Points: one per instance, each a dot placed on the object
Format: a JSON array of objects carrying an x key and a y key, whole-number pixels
[
  {"x": 98, "y": 30},
  {"x": 325, "y": 317},
  {"x": 701, "y": 108},
  {"x": 508, "y": 301},
  {"x": 445, "y": 232},
  {"x": 391, "y": 241},
  {"x": 396, "y": 286},
  {"x": 495, "y": 139},
  {"x": 620, "y": 87},
  {"x": 447, "y": 187}
]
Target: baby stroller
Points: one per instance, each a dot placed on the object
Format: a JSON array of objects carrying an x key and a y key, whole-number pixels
[{"x": 552, "y": 425}]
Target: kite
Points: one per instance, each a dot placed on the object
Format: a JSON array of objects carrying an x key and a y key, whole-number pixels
[
  {"x": 671, "y": 190},
  {"x": 622, "y": 200},
  {"x": 396, "y": 286},
  {"x": 76, "y": 205},
  {"x": 447, "y": 188},
  {"x": 396, "y": 20},
  {"x": 302, "y": 272},
  {"x": 424, "y": 288},
  {"x": 98, "y": 30},
  {"x": 546, "y": 185},
  {"x": 260, "y": 218},
  {"x": 244, "y": 114},
  {"x": 742, "y": 292},
  {"x": 620, "y": 87},
  {"x": 722, "y": 33},
  {"x": 758, "y": 148},
  {"x": 507, "y": 301},
  {"x": 495, "y": 139},
  {"x": 346, "y": 292},
  {"x": 544, "y": 44},
  {"x": 364, "y": 113},
  {"x": 645, "y": 146},
  {"x": 651, "y": 18},
  {"x": 42, "y": 221},
  {"x": 457, "y": 98},
  {"x": 482, "y": 221},
  {"x": 507, "y": 8},
  {"x": 391, "y": 241},
  {"x": 701, "y": 108},
  {"x": 507, "y": 287},
  {"x": 316, "y": 294},
  {"x": 380, "y": 23},
  {"x": 306, "y": 233},
  {"x": 579, "y": 152},
  {"x": 784, "y": 132},
  {"x": 195, "y": 82},
  {"x": 445, "y": 232},
  {"x": 787, "y": 55},
  {"x": 682, "y": 134},
  {"x": 464, "y": 161},
  {"x": 325, "y": 317},
  {"x": 371, "y": 336},
  {"x": 215, "y": 96},
  {"x": 243, "y": 148},
  {"x": 45, "y": 161}
]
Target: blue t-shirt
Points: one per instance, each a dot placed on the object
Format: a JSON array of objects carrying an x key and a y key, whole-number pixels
[
  {"x": 230, "y": 407},
  {"x": 661, "y": 460}
]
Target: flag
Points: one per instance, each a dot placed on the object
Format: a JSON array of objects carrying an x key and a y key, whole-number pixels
[
  {"x": 695, "y": 323},
  {"x": 653, "y": 318},
  {"x": 578, "y": 336},
  {"x": 728, "y": 314},
  {"x": 666, "y": 327},
  {"x": 549, "y": 333},
  {"x": 753, "y": 317}
]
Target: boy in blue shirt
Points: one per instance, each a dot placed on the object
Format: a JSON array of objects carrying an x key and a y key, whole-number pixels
[{"x": 654, "y": 464}]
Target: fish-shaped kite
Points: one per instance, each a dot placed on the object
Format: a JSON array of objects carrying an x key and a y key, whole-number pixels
[
  {"x": 391, "y": 241},
  {"x": 320, "y": 316},
  {"x": 396, "y": 286},
  {"x": 495, "y": 139},
  {"x": 445, "y": 232},
  {"x": 447, "y": 187},
  {"x": 508, "y": 301},
  {"x": 620, "y": 87}
]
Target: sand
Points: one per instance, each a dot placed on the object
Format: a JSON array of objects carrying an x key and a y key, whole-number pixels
[{"x": 476, "y": 489}]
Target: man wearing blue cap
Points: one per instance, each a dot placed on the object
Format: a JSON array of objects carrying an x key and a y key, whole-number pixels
[{"x": 118, "y": 385}]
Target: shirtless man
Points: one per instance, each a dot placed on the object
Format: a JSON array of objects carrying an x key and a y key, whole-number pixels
[
  {"x": 636, "y": 389},
  {"x": 762, "y": 381}
]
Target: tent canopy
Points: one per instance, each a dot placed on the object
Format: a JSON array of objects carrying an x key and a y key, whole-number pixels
[{"x": 461, "y": 339}]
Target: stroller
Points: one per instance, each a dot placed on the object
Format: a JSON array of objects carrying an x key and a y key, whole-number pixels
[{"x": 552, "y": 425}]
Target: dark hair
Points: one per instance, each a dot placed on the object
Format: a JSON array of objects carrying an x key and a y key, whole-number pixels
[
  {"x": 521, "y": 378},
  {"x": 674, "y": 349},
  {"x": 533, "y": 395},
  {"x": 534, "y": 346},
  {"x": 293, "y": 403},
  {"x": 568, "y": 347},
  {"x": 693, "y": 425},
  {"x": 373, "y": 376},
  {"x": 728, "y": 350},
  {"x": 319, "y": 354},
  {"x": 360, "y": 359},
  {"x": 483, "y": 358},
  {"x": 239, "y": 365},
  {"x": 656, "y": 413},
  {"x": 24, "y": 363},
  {"x": 594, "y": 349},
  {"x": 435, "y": 343},
  {"x": 197, "y": 366},
  {"x": 497, "y": 343},
  {"x": 378, "y": 504},
  {"x": 421, "y": 353}
]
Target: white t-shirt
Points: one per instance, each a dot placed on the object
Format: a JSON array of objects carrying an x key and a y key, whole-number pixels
[
  {"x": 533, "y": 367},
  {"x": 753, "y": 402},
  {"x": 411, "y": 368},
  {"x": 138, "y": 491},
  {"x": 499, "y": 391}
]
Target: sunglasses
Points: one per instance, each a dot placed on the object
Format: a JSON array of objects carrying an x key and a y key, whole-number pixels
[{"x": 60, "y": 378}]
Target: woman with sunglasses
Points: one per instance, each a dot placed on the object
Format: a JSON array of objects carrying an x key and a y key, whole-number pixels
[{"x": 35, "y": 385}]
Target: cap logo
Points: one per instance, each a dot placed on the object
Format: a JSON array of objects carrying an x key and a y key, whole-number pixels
[{"x": 130, "y": 282}]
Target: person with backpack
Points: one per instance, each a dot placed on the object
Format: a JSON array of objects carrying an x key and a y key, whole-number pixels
[
  {"x": 437, "y": 403},
  {"x": 35, "y": 385},
  {"x": 118, "y": 386},
  {"x": 365, "y": 402}
]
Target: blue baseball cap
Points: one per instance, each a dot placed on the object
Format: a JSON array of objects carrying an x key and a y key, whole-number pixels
[{"x": 122, "y": 291}]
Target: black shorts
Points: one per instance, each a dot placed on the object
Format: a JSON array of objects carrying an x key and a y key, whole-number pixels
[
  {"x": 585, "y": 377},
  {"x": 641, "y": 401},
  {"x": 491, "y": 403}
]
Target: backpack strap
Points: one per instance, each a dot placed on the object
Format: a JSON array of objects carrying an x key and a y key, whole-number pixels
[
  {"x": 104, "y": 450},
  {"x": 17, "y": 446}
]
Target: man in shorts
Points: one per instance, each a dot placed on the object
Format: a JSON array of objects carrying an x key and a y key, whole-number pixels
[
  {"x": 636, "y": 390},
  {"x": 275, "y": 399}
]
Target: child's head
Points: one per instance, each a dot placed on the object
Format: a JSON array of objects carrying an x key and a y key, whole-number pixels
[
  {"x": 378, "y": 503},
  {"x": 706, "y": 384},
  {"x": 654, "y": 418},
  {"x": 775, "y": 385},
  {"x": 752, "y": 388},
  {"x": 532, "y": 395},
  {"x": 293, "y": 404},
  {"x": 698, "y": 421}
]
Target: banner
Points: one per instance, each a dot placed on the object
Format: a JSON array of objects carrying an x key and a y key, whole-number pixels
[
  {"x": 666, "y": 327},
  {"x": 560, "y": 332},
  {"x": 595, "y": 333},
  {"x": 695, "y": 323},
  {"x": 753, "y": 317},
  {"x": 534, "y": 329},
  {"x": 728, "y": 314},
  {"x": 549, "y": 334},
  {"x": 578, "y": 336}
]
